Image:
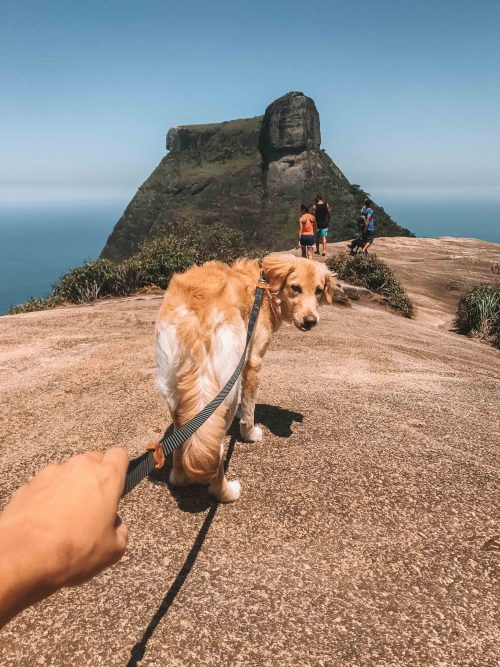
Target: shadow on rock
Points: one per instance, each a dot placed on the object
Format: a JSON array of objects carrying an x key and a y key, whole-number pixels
[
  {"x": 278, "y": 420},
  {"x": 138, "y": 651},
  {"x": 194, "y": 498}
]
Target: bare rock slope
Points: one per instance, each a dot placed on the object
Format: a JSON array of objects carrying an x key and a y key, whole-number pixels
[{"x": 368, "y": 528}]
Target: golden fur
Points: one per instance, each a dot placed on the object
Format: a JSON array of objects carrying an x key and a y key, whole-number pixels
[{"x": 201, "y": 335}]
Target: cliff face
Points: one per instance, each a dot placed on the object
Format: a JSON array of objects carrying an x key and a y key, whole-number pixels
[{"x": 250, "y": 174}]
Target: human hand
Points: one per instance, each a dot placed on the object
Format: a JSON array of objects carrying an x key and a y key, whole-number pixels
[{"x": 63, "y": 524}]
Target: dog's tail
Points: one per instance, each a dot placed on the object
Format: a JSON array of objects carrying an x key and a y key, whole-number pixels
[{"x": 196, "y": 386}]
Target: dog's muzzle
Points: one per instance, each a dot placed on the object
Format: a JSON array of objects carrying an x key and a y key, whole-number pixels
[{"x": 308, "y": 322}]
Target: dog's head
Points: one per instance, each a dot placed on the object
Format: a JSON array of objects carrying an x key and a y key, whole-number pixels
[{"x": 301, "y": 285}]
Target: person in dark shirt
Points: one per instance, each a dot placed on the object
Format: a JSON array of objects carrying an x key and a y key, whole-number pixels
[{"x": 323, "y": 213}]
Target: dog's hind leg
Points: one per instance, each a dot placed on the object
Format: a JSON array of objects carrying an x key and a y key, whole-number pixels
[
  {"x": 224, "y": 491},
  {"x": 178, "y": 475}
]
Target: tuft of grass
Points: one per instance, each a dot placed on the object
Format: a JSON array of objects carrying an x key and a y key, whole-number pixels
[
  {"x": 367, "y": 270},
  {"x": 35, "y": 303},
  {"x": 478, "y": 313},
  {"x": 88, "y": 282}
]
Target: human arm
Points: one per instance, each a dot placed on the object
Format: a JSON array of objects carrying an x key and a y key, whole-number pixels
[{"x": 61, "y": 529}]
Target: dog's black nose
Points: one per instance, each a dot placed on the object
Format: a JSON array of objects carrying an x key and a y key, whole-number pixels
[{"x": 309, "y": 321}]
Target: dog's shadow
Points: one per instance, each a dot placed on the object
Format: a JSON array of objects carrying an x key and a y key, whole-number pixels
[
  {"x": 278, "y": 420},
  {"x": 194, "y": 498}
]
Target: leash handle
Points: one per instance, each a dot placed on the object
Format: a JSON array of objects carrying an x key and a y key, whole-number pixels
[{"x": 142, "y": 465}]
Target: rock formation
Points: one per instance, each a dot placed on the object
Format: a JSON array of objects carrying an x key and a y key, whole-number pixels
[{"x": 251, "y": 174}]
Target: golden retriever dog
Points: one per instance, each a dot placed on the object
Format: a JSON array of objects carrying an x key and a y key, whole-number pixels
[{"x": 200, "y": 337}]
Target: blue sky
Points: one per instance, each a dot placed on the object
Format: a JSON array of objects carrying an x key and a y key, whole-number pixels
[{"x": 408, "y": 92}]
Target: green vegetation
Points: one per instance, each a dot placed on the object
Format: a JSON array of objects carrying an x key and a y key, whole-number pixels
[
  {"x": 369, "y": 271},
  {"x": 155, "y": 263},
  {"x": 478, "y": 313},
  {"x": 88, "y": 282},
  {"x": 35, "y": 303}
]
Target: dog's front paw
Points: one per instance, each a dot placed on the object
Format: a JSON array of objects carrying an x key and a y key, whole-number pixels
[
  {"x": 229, "y": 493},
  {"x": 250, "y": 433}
]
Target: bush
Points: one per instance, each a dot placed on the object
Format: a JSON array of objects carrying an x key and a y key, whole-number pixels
[
  {"x": 88, "y": 282},
  {"x": 478, "y": 313},
  {"x": 218, "y": 242},
  {"x": 35, "y": 303},
  {"x": 158, "y": 259},
  {"x": 181, "y": 245},
  {"x": 371, "y": 272},
  {"x": 210, "y": 242}
]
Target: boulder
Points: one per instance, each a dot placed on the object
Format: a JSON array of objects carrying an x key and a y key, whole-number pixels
[{"x": 290, "y": 125}]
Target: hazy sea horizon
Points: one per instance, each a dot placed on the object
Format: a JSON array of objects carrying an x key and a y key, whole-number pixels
[{"x": 41, "y": 241}]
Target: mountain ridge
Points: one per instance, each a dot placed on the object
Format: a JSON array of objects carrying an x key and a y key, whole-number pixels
[{"x": 251, "y": 174}]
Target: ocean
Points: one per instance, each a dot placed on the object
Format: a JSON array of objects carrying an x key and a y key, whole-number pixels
[
  {"x": 444, "y": 212},
  {"x": 38, "y": 243}
]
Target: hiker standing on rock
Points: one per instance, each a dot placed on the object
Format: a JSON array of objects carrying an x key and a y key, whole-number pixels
[
  {"x": 358, "y": 243},
  {"x": 369, "y": 231},
  {"x": 323, "y": 213},
  {"x": 307, "y": 232}
]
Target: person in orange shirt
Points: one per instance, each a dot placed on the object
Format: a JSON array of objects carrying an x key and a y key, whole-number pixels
[{"x": 307, "y": 232}]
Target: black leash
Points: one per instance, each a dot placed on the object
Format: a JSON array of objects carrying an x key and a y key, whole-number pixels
[{"x": 140, "y": 467}]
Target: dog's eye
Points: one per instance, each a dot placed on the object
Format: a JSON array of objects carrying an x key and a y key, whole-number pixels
[
  {"x": 297, "y": 289},
  {"x": 318, "y": 291}
]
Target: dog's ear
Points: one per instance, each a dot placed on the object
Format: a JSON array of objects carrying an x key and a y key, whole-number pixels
[
  {"x": 328, "y": 285},
  {"x": 277, "y": 267}
]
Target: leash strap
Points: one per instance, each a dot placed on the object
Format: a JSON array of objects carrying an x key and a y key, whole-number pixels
[{"x": 140, "y": 467}]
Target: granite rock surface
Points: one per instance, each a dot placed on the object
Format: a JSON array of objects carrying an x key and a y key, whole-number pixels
[{"x": 367, "y": 533}]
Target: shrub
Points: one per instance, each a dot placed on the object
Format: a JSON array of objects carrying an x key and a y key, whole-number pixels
[
  {"x": 159, "y": 258},
  {"x": 182, "y": 244},
  {"x": 130, "y": 277},
  {"x": 218, "y": 242},
  {"x": 478, "y": 312},
  {"x": 371, "y": 272},
  {"x": 88, "y": 282},
  {"x": 36, "y": 303},
  {"x": 210, "y": 242}
]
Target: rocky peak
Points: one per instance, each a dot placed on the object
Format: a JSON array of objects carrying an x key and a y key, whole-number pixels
[
  {"x": 251, "y": 174},
  {"x": 290, "y": 125}
]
